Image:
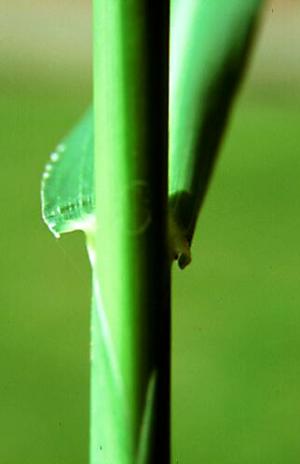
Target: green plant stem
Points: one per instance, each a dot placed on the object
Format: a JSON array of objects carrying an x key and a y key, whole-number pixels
[{"x": 130, "y": 373}]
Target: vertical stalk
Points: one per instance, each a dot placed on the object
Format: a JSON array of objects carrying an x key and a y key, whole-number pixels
[{"x": 130, "y": 374}]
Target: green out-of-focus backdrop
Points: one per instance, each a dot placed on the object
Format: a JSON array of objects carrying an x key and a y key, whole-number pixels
[{"x": 236, "y": 309}]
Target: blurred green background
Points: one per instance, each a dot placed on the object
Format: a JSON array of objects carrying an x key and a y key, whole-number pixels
[{"x": 236, "y": 311}]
